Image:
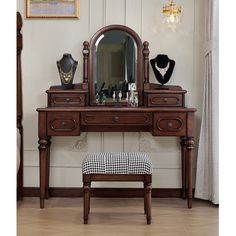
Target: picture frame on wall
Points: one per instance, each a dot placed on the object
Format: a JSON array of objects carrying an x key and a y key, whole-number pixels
[{"x": 52, "y": 9}]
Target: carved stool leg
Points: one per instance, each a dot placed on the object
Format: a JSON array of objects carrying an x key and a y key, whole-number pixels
[
  {"x": 86, "y": 190},
  {"x": 89, "y": 198},
  {"x": 145, "y": 198},
  {"x": 148, "y": 193}
]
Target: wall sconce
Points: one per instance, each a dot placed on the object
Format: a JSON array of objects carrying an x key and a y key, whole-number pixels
[{"x": 171, "y": 14}]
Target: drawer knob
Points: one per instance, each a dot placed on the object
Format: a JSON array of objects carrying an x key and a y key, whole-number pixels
[
  {"x": 116, "y": 118},
  {"x": 68, "y": 99},
  {"x": 63, "y": 123},
  {"x": 165, "y": 99},
  {"x": 170, "y": 124}
]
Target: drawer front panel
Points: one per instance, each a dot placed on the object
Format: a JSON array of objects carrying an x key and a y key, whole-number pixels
[
  {"x": 115, "y": 118},
  {"x": 169, "y": 124},
  {"x": 63, "y": 100},
  {"x": 155, "y": 100},
  {"x": 63, "y": 124}
]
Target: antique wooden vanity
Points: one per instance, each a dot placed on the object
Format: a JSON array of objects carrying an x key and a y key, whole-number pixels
[{"x": 161, "y": 109}]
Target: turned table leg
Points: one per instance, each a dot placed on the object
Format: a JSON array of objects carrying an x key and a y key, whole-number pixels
[
  {"x": 183, "y": 164},
  {"x": 189, "y": 159},
  {"x": 48, "y": 169},
  {"x": 42, "y": 165}
]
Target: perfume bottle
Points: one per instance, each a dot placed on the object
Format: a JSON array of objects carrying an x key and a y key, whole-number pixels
[{"x": 97, "y": 98}]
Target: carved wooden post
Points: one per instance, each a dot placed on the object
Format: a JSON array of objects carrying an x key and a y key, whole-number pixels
[
  {"x": 85, "y": 61},
  {"x": 189, "y": 156},
  {"x": 19, "y": 105},
  {"x": 146, "y": 61}
]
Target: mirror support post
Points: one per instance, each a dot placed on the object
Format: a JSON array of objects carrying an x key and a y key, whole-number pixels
[
  {"x": 85, "y": 61},
  {"x": 146, "y": 61}
]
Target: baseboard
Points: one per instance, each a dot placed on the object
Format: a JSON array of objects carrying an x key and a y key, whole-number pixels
[{"x": 104, "y": 192}]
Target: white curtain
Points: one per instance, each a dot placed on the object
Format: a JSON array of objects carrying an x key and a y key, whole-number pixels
[{"x": 207, "y": 176}]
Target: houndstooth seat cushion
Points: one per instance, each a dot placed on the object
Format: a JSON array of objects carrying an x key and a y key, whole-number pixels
[{"x": 117, "y": 163}]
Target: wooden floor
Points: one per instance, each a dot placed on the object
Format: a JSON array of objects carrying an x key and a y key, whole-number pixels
[{"x": 116, "y": 216}]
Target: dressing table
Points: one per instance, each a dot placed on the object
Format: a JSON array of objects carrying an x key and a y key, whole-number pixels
[{"x": 161, "y": 109}]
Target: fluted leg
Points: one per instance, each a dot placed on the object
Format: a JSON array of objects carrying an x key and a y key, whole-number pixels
[
  {"x": 42, "y": 163},
  {"x": 48, "y": 169},
  {"x": 189, "y": 157},
  {"x": 183, "y": 161}
]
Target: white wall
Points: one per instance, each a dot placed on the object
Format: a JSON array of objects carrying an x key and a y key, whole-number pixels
[{"x": 44, "y": 43}]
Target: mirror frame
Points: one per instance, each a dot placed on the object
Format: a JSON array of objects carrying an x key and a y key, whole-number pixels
[{"x": 139, "y": 76}]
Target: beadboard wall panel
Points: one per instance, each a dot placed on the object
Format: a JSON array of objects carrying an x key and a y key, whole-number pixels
[{"x": 45, "y": 40}]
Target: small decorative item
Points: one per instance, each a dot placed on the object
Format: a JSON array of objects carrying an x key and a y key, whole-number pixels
[
  {"x": 162, "y": 67},
  {"x": 119, "y": 96},
  {"x": 133, "y": 98},
  {"x": 66, "y": 67},
  {"x": 52, "y": 8}
]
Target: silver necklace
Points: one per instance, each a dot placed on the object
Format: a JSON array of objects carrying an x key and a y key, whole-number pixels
[
  {"x": 66, "y": 76},
  {"x": 162, "y": 71}
]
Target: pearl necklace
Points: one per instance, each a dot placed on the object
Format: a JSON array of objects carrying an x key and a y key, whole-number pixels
[
  {"x": 163, "y": 71},
  {"x": 65, "y": 76}
]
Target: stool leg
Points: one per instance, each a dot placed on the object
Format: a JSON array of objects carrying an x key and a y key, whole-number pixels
[
  {"x": 148, "y": 193},
  {"x": 145, "y": 199},
  {"x": 86, "y": 190},
  {"x": 89, "y": 198}
]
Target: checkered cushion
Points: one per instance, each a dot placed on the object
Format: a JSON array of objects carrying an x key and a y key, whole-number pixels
[{"x": 117, "y": 163}]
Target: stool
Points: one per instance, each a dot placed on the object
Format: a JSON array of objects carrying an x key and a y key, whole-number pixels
[{"x": 117, "y": 166}]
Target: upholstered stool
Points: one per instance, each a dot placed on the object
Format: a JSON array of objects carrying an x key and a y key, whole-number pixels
[{"x": 117, "y": 166}]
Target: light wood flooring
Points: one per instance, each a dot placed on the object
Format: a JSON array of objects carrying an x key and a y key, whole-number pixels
[{"x": 116, "y": 216}]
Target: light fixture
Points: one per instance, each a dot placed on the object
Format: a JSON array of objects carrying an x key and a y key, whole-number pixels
[{"x": 171, "y": 13}]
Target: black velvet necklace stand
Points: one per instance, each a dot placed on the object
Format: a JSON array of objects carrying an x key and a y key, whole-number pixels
[
  {"x": 66, "y": 67},
  {"x": 161, "y": 61}
]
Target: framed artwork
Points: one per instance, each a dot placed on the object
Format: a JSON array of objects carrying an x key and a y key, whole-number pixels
[{"x": 52, "y": 8}]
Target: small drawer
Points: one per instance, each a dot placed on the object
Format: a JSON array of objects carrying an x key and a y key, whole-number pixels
[
  {"x": 166, "y": 100},
  {"x": 63, "y": 123},
  {"x": 66, "y": 100},
  {"x": 116, "y": 118},
  {"x": 173, "y": 124}
]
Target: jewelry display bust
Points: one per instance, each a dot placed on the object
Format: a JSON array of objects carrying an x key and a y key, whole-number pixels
[
  {"x": 66, "y": 67},
  {"x": 162, "y": 67}
]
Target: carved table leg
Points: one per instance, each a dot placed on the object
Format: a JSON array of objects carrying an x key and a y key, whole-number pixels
[
  {"x": 42, "y": 164},
  {"x": 20, "y": 185},
  {"x": 189, "y": 157},
  {"x": 48, "y": 169},
  {"x": 183, "y": 161},
  {"x": 86, "y": 190}
]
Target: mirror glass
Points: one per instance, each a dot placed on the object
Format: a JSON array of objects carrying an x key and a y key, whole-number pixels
[{"x": 114, "y": 65}]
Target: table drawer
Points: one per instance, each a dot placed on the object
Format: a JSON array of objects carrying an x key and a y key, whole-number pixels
[
  {"x": 172, "y": 124},
  {"x": 64, "y": 100},
  {"x": 63, "y": 123},
  {"x": 167, "y": 100},
  {"x": 116, "y": 118}
]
